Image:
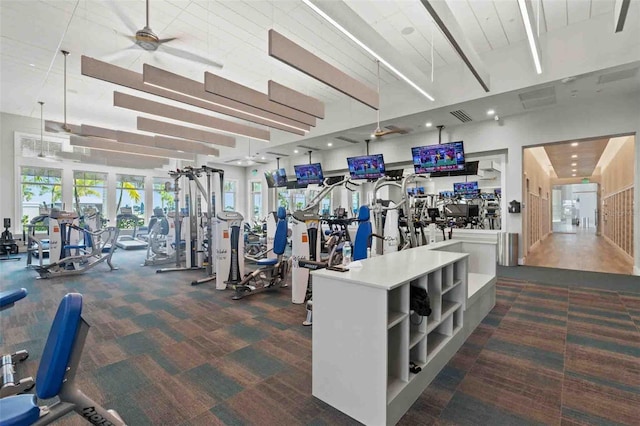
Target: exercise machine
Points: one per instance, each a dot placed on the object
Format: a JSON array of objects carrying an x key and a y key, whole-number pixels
[
  {"x": 386, "y": 217},
  {"x": 37, "y": 246},
  {"x": 274, "y": 271},
  {"x": 161, "y": 238},
  {"x": 10, "y": 384},
  {"x": 8, "y": 244},
  {"x": 229, "y": 249},
  {"x": 129, "y": 242},
  {"x": 74, "y": 250},
  {"x": 56, "y": 376}
]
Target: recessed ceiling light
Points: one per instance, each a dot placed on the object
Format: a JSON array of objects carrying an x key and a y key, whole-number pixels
[
  {"x": 574, "y": 144},
  {"x": 32, "y": 65},
  {"x": 429, "y": 124},
  {"x": 491, "y": 112},
  {"x": 574, "y": 170},
  {"x": 574, "y": 175},
  {"x": 295, "y": 151},
  {"x": 239, "y": 162},
  {"x": 407, "y": 30},
  {"x": 574, "y": 156},
  {"x": 262, "y": 158},
  {"x": 574, "y": 164},
  {"x": 329, "y": 144},
  {"x": 179, "y": 150}
]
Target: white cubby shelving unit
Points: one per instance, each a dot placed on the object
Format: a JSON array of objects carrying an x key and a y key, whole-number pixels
[{"x": 364, "y": 334}]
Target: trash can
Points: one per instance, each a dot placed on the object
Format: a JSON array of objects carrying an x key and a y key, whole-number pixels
[{"x": 507, "y": 249}]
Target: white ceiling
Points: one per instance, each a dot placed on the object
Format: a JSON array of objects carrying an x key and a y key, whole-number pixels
[{"x": 235, "y": 33}]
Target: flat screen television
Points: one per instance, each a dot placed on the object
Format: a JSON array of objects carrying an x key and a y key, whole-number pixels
[
  {"x": 416, "y": 191},
  {"x": 498, "y": 192},
  {"x": 447, "y": 194},
  {"x": 366, "y": 166},
  {"x": 307, "y": 174},
  {"x": 466, "y": 188},
  {"x": 276, "y": 178},
  {"x": 438, "y": 158}
]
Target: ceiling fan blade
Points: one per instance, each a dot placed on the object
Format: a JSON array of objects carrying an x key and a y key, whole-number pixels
[
  {"x": 122, "y": 16},
  {"x": 189, "y": 56},
  {"x": 166, "y": 40}
]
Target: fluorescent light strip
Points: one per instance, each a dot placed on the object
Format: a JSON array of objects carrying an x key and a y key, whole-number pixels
[
  {"x": 156, "y": 108},
  {"x": 170, "y": 129},
  {"x": 287, "y": 96},
  {"x": 123, "y": 77},
  {"x": 530, "y": 36},
  {"x": 367, "y": 49},
  {"x": 111, "y": 145},
  {"x": 231, "y": 90}
]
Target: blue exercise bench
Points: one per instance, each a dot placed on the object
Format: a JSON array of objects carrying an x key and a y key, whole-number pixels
[
  {"x": 56, "y": 376},
  {"x": 274, "y": 271},
  {"x": 9, "y": 384}
]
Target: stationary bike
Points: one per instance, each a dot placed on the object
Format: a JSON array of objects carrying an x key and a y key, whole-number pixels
[{"x": 8, "y": 245}]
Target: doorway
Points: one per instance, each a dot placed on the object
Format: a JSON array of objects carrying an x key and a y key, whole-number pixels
[{"x": 575, "y": 208}]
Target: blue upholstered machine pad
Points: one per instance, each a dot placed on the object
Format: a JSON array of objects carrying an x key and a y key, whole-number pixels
[
  {"x": 267, "y": 262},
  {"x": 19, "y": 410},
  {"x": 280, "y": 237},
  {"x": 363, "y": 234},
  {"x": 12, "y": 296}
]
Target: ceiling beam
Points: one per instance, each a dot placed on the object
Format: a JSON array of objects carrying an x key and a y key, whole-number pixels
[
  {"x": 304, "y": 61},
  {"x": 231, "y": 90},
  {"x": 104, "y": 71},
  {"x": 170, "y": 129},
  {"x": 444, "y": 19},
  {"x": 620, "y": 10},
  {"x": 286, "y": 96},
  {"x": 195, "y": 94},
  {"x": 135, "y": 103}
]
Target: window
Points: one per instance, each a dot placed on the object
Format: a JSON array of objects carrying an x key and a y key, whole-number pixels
[
  {"x": 256, "y": 200},
  {"x": 299, "y": 199},
  {"x": 163, "y": 199},
  {"x": 41, "y": 187},
  {"x": 325, "y": 205},
  {"x": 130, "y": 193},
  {"x": 89, "y": 191},
  {"x": 230, "y": 195},
  {"x": 355, "y": 202},
  {"x": 283, "y": 198}
]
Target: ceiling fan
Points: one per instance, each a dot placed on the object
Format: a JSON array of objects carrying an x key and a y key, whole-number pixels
[
  {"x": 149, "y": 40},
  {"x": 388, "y": 130}
]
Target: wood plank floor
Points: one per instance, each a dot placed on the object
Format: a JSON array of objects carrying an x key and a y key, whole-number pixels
[{"x": 583, "y": 251}]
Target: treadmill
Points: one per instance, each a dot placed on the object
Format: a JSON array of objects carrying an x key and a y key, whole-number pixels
[{"x": 129, "y": 242}]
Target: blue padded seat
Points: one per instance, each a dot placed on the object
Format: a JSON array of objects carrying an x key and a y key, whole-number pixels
[
  {"x": 71, "y": 247},
  {"x": 267, "y": 262},
  {"x": 19, "y": 410},
  {"x": 57, "y": 351},
  {"x": 363, "y": 234},
  {"x": 280, "y": 237},
  {"x": 10, "y": 297}
]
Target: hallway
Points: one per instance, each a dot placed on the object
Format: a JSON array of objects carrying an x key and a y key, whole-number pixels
[{"x": 582, "y": 251}]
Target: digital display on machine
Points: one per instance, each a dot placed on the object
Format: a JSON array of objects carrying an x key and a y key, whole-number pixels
[
  {"x": 466, "y": 188},
  {"x": 438, "y": 158},
  {"x": 416, "y": 191},
  {"x": 487, "y": 196},
  {"x": 307, "y": 174},
  {"x": 447, "y": 194},
  {"x": 276, "y": 178},
  {"x": 498, "y": 192},
  {"x": 366, "y": 167}
]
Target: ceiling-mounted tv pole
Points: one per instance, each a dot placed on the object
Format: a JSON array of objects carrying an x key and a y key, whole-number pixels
[
  {"x": 278, "y": 163},
  {"x": 440, "y": 127},
  {"x": 367, "y": 142},
  {"x": 310, "y": 156}
]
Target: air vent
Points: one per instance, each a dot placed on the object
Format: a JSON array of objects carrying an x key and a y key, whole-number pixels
[
  {"x": 536, "y": 103},
  {"x": 617, "y": 75},
  {"x": 308, "y": 148},
  {"x": 277, "y": 154},
  {"x": 461, "y": 115},
  {"x": 538, "y": 98},
  {"x": 346, "y": 139}
]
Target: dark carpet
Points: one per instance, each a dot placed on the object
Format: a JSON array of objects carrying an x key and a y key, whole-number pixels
[{"x": 163, "y": 352}]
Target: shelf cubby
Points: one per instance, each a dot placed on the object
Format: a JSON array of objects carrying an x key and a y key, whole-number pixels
[
  {"x": 447, "y": 277},
  {"x": 457, "y": 320},
  {"x": 418, "y": 353},
  {"x": 398, "y": 305},
  {"x": 398, "y": 353}
]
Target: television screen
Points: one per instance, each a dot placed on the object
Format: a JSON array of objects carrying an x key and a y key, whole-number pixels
[
  {"x": 366, "y": 167},
  {"x": 438, "y": 158},
  {"x": 447, "y": 194},
  {"x": 466, "y": 188},
  {"x": 307, "y": 174},
  {"x": 497, "y": 191},
  {"x": 416, "y": 191},
  {"x": 276, "y": 178}
]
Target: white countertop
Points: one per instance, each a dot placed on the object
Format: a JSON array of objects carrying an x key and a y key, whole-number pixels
[
  {"x": 394, "y": 269},
  {"x": 446, "y": 243}
]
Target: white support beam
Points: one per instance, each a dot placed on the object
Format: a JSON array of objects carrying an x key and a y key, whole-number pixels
[{"x": 444, "y": 19}]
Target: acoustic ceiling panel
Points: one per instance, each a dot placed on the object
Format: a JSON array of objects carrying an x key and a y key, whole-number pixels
[
  {"x": 170, "y": 129},
  {"x": 156, "y": 108},
  {"x": 243, "y": 94},
  {"x": 111, "y": 145},
  {"x": 301, "y": 59},
  {"x": 286, "y": 96},
  {"x": 57, "y": 127},
  {"x": 186, "y": 146},
  {"x": 195, "y": 94}
]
